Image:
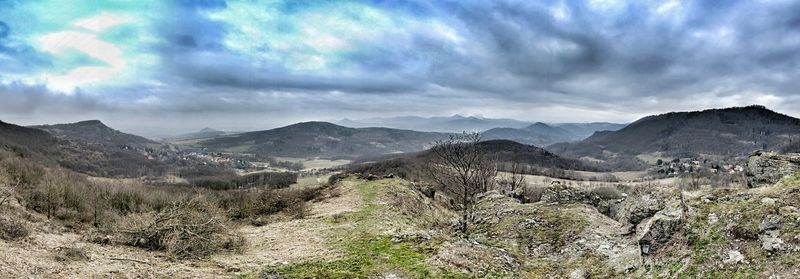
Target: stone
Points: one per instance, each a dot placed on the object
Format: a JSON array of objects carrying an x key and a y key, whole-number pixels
[
  {"x": 771, "y": 222},
  {"x": 734, "y": 257},
  {"x": 577, "y": 274},
  {"x": 658, "y": 230},
  {"x": 766, "y": 168},
  {"x": 712, "y": 218},
  {"x": 561, "y": 193},
  {"x": 771, "y": 241},
  {"x": 768, "y": 201}
]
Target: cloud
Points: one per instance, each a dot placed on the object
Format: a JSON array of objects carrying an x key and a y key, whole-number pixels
[
  {"x": 536, "y": 60},
  {"x": 102, "y": 21}
]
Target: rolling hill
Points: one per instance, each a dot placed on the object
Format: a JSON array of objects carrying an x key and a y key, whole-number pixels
[
  {"x": 27, "y": 142},
  {"x": 95, "y": 132},
  {"x": 455, "y": 124},
  {"x": 324, "y": 140},
  {"x": 205, "y": 133},
  {"x": 732, "y": 132},
  {"x": 541, "y": 134},
  {"x": 84, "y": 147}
]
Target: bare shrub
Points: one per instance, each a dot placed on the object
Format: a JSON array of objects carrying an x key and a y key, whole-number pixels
[
  {"x": 191, "y": 229},
  {"x": 5, "y": 195},
  {"x": 22, "y": 172},
  {"x": 12, "y": 229},
  {"x": 532, "y": 193},
  {"x": 71, "y": 254},
  {"x": 252, "y": 204},
  {"x": 298, "y": 210}
]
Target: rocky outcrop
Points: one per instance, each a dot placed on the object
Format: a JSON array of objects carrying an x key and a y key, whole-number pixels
[
  {"x": 561, "y": 193},
  {"x": 767, "y": 168},
  {"x": 658, "y": 230}
]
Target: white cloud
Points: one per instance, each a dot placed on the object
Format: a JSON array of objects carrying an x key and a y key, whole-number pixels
[
  {"x": 102, "y": 21},
  {"x": 59, "y": 42}
]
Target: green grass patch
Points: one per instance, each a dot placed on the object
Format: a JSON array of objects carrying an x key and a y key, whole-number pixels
[{"x": 366, "y": 252}]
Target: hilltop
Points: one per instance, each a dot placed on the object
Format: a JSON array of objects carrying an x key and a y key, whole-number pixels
[
  {"x": 731, "y": 132},
  {"x": 94, "y": 132}
]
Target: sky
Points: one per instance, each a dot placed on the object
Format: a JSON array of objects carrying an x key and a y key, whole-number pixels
[{"x": 159, "y": 67}]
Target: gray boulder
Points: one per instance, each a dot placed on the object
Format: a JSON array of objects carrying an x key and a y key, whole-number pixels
[
  {"x": 561, "y": 193},
  {"x": 766, "y": 168},
  {"x": 658, "y": 230}
]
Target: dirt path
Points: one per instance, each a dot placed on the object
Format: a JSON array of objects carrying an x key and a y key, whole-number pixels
[{"x": 295, "y": 240}]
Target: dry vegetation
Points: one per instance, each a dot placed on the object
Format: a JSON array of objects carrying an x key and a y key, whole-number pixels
[{"x": 184, "y": 222}]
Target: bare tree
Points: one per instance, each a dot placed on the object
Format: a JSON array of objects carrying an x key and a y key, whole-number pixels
[
  {"x": 513, "y": 184},
  {"x": 461, "y": 168}
]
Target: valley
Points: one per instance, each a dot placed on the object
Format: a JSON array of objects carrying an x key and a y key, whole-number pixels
[{"x": 318, "y": 200}]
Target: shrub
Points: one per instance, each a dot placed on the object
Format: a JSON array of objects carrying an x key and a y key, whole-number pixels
[
  {"x": 251, "y": 204},
  {"x": 532, "y": 194},
  {"x": 71, "y": 253},
  {"x": 12, "y": 229},
  {"x": 22, "y": 172},
  {"x": 334, "y": 178},
  {"x": 191, "y": 229}
]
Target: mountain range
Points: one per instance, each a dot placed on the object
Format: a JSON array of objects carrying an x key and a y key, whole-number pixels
[
  {"x": 323, "y": 139},
  {"x": 94, "y": 148},
  {"x": 445, "y": 124}
]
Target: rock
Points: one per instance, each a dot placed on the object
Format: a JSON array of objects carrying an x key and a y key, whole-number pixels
[
  {"x": 768, "y": 201},
  {"x": 561, "y": 193},
  {"x": 658, "y": 229},
  {"x": 771, "y": 241},
  {"x": 391, "y": 175},
  {"x": 370, "y": 177},
  {"x": 767, "y": 168},
  {"x": 771, "y": 222},
  {"x": 577, "y": 274},
  {"x": 734, "y": 257},
  {"x": 712, "y": 218}
]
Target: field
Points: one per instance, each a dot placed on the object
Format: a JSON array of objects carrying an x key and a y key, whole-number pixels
[{"x": 315, "y": 163}]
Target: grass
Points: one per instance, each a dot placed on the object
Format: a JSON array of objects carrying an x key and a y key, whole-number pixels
[
  {"x": 366, "y": 255},
  {"x": 366, "y": 251},
  {"x": 314, "y": 163}
]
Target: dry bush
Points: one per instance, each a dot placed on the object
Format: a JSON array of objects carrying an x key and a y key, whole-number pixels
[
  {"x": 532, "y": 193},
  {"x": 191, "y": 229},
  {"x": 607, "y": 192},
  {"x": 13, "y": 229},
  {"x": 21, "y": 172},
  {"x": 71, "y": 254},
  {"x": 252, "y": 204},
  {"x": 298, "y": 210},
  {"x": 5, "y": 195}
]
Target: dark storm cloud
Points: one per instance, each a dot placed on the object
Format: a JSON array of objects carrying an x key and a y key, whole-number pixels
[
  {"x": 24, "y": 99},
  {"x": 509, "y": 58}
]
